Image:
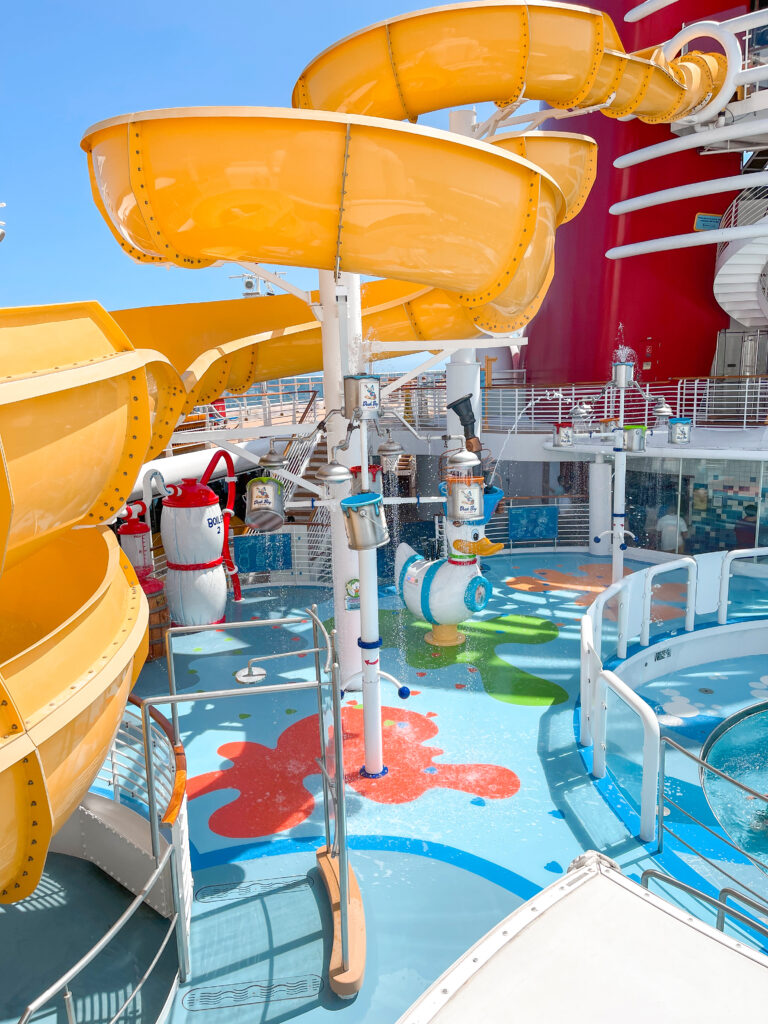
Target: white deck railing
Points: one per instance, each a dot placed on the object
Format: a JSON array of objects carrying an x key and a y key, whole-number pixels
[{"x": 706, "y": 592}]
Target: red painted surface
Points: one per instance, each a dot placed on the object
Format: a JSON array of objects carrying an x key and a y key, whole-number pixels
[
  {"x": 664, "y": 301},
  {"x": 272, "y": 796}
]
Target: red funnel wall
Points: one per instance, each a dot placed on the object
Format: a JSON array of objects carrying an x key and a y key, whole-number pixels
[{"x": 664, "y": 301}]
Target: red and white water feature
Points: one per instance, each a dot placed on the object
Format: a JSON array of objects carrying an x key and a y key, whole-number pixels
[
  {"x": 136, "y": 539},
  {"x": 195, "y": 532}
]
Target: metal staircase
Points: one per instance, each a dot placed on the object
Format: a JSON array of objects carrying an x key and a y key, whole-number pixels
[{"x": 739, "y": 270}]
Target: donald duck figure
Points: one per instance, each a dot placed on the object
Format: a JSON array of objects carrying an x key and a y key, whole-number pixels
[{"x": 446, "y": 591}]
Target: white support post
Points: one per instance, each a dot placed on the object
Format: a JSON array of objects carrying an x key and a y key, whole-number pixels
[
  {"x": 619, "y": 498},
  {"x": 462, "y": 377},
  {"x": 345, "y": 565},
  {"x": 370, "y": 639},
  {"x": 599, "y": 503},
  {"x": 619, "y": 515}
]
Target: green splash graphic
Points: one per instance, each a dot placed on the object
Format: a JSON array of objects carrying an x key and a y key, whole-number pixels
[{"x": 500, "y": 679}]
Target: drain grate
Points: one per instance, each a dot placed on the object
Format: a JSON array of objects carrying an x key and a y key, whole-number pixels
[
  {"x": 247, "y": 890},
  {"x": 220, "y": 997}
]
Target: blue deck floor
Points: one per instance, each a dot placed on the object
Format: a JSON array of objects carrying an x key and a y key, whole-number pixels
[{"x": 487, "y": 799}]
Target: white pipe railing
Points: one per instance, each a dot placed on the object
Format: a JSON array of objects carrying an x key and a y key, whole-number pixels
[
  {"x": 691, "y": 567},
  {"x": 645, "y": 9},
  {"x": 730, "y": 44},
  {"x": 725, "y": 577},
  {"x": 708, "y": 137},
  {"x": 689, "y": 241},
  {"x": 651, "y": 743},
  {"x": 693, "y": 190}
]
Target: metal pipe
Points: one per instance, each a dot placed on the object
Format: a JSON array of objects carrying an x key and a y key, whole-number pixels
[{"x": 103, "y": 942}]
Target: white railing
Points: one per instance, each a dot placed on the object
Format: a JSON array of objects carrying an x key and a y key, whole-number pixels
[
  {"x": 707, "y": 591},
  {"x": 649, "y": 786},
  {"x": 725, "y": 577},
  {"x": 749, "y": 207},
  {"x": 124, "y": 775},
  {"x": 311, "y": 562},
  {"x": 690, "y": 600}
]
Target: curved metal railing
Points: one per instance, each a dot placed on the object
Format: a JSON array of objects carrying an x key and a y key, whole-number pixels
[
  {"x": 749, "y": 207},
  {"x": 124, "y": 776}
]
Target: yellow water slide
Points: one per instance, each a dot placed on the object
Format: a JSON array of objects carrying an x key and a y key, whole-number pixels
[
  {"x": 80, "y": 411},
  {"x": 473, "y": 228},
  {"x": 460, "y": 232}
]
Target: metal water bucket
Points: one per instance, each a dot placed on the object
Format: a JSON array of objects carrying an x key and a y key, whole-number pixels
[
  {"x": 679, "y": 428},
  {"x": 607, "y": 428},
  {"x": 264, "y": 507},
  {"x": 623, "y": 375},
  {"x": 374, "y": 477},
  {"x": 364, "y": 521},
  {"x": 563, "y": 435},
  {"x": 362, "y": 391},
  {"x": 634, "y": 437},
  {"x": 464, "y": 500}
]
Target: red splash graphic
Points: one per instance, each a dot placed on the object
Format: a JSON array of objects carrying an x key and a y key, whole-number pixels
[
  {"x": 272, "y": 796},
  {"x": 592, "y": 580}
]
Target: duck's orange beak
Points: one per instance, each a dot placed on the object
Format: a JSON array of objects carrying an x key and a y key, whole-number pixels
[{"x": 482, "y": 547}]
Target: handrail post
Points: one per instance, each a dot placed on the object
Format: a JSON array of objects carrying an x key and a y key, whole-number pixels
[
  {"x": 341, "y": 817},
  {"x": 182, "y": 938},
  {"x": 321, "y": 724},
  {"x": 660, "y": 810},
  {"x": 651, "y": 745}
]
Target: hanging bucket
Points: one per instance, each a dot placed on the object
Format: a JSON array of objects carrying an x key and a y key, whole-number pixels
[
  {"x": 375, "y": 475},
  {"x": 679, "y": 430},
  {"x": 623, "y": 374},
  {"x": 634, "y": 437},
  {"x": 607, "y": 428},
  {"x": 264, "y": 509},
  {"x": 563, "y": 435},
  {"x": 364, "y": 521},
  {"x": 464, "y": 501}
]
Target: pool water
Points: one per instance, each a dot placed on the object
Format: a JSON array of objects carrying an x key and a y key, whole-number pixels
[{"x": 741, "y": 752}]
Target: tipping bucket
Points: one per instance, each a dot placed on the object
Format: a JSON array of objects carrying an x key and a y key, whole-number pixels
[
  {"x": 264, "y": 508},
  {"x": 563, "y": 435},
  {"x": 364, "y": 521},
  {"x": 679, "y": 428},
  {"x": 607, "y": 428},
  {"x": 622, "y": 375},
  {"x": 634, "y": 437},
  {"x": 464, "y": 500}
]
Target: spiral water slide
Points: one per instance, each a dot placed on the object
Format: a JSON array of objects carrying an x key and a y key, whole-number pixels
[
  {"x": 460, "y": 231},
  {"x": 80, "y": 411}
]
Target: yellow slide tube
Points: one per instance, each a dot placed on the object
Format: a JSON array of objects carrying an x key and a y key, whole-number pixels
[{"x": 80, "y": 411}]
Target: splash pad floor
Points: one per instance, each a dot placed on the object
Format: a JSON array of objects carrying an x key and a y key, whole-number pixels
[{"x": 486, "y": 800}]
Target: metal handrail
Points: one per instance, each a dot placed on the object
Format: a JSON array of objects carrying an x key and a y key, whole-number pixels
[
  {"x": 723, "y": 908},
  {"x": 84, "y": 961}
]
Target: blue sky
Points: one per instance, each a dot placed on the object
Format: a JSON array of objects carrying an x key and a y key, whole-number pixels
[{"x": 67, "y": 64}]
